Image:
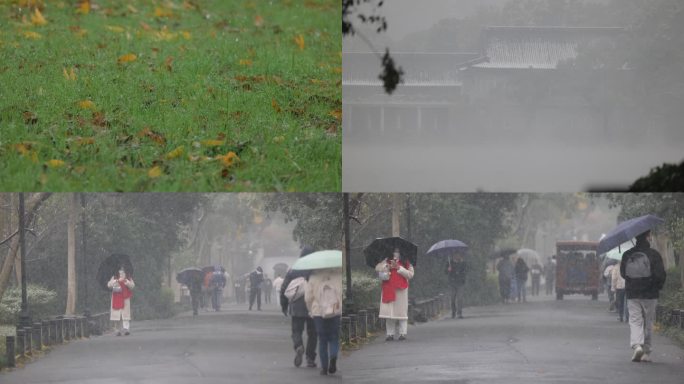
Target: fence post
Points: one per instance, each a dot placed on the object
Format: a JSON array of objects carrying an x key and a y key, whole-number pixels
[
  {"x": 346, "y": 330},
  {"x": 37, "y": 336},
  {"x": 45, "y": 331},
  {"x": 10, "y": 352},
  {"x": 59, "y": 331},
  {"x": 353, "y": 327},
  {"x": 28, "y": 334},
  {"x": 21, "y": 342},
  {"x": 86, "y": 327},
  {"x": 363, "y": 324}
]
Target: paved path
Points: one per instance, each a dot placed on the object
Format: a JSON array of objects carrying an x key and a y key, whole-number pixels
[
  {"x": 232, "y": 346},
  {"x": 543, "y": 341}
]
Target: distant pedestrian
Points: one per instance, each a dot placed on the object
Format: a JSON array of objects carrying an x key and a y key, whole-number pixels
[
  {"x": 550, "y": 275},
  {"x": 120, "y": 308},
  {"x": 195, "y": 288},
  {"x": 394, "y": 298},
  {"x": 456, "y": 270},
  {"x": 216, "y": 285},
  {"x": 255, "y": 280},
  {"x": 277, "y": 284},
  {"x": 268, "y": 289},
  {"x": 618, "y": 286},
  {"x": 521, "y": 272},
  {"x": 644, "y": 274},
  {"x": 607, "y": 280},
  {"x": 238, "y": 287},
  {"x": 535, "y": 274},
  {"x": 505, "y": 269},
  {"x": 295, "y": 306},
  {"x": 323, "y": 298}
]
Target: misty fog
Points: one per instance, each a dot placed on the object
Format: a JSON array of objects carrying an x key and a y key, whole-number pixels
[{"x": 513, "y": 96}]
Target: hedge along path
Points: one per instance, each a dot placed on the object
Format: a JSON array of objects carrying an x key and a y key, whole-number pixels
[{"x": 170, "y": 95}]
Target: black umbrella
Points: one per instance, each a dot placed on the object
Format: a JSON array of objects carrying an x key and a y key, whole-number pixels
[
  {"x": 188, "y": 275},
  {"x": 382, "y": 248},
  {"x": 110, "y": 267}
]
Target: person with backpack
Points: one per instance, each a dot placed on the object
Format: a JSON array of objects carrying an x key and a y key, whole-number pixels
[
  {"x": 394, "y": 298},
  {"x": 291, "y": 296},
  {"x": 255, "y": 280},
  {"x": 644, "y": 273},
  {"x": 218, "y": 282},
  {"x": 323, "y": 297}
]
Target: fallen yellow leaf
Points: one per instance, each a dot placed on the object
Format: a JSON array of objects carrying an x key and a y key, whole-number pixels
[
  {"x": 83, "y": 7},
  {"x": 275, "y": 105},
  {"x": 37, "y": 18},
  {"x": 32, "y": 35},
  {"x": 212, "y": 143},
  {"x": 115, "y": 28},
  {"x": 127, "y": 58},
  {"x": 132, "y": 9},
  {"x": 299, "y": 40},
  {"x": 175, "y": 153},
  {"x": 85, "y": 140},
  {"x": 246, "y": 62},
  {"x": 162, "y": 12},
  {"x": 70, "y": 74},
  {"x": 228, "y": 159},
  {"x": 86, "y": 104},
  {"x": 186, "y": 35},
  {"x": 54, "y": 163},
  {"x": 336, "y": 114},
  {"x": 154, "y": 172}
]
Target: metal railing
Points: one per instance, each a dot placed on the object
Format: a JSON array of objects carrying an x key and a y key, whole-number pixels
[
  {"x": 357, "y": 327},
  {"x": 670, "y": 317},
  {"x": 29, "y": 342}
]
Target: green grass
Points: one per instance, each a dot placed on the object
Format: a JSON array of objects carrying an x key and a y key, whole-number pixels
[{"x": 236, "y": 76}]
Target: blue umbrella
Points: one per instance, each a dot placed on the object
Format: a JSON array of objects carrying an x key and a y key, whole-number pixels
[
  {"x": 445, "y": 247},
  {"x": 626, "y": 231}
]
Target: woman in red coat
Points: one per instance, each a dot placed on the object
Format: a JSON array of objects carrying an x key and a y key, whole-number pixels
[{"x": 121, "y": 286}]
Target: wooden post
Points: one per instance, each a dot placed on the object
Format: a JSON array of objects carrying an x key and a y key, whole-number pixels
[{"x": 10, "y": 352}]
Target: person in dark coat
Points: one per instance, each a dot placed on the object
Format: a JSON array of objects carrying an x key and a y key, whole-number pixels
[
  {"x": 505, "y": 269},
  {"x": 536, "y": 272},
  {"x": 521, "y": 271},
  {"x": 644, "y": 273},
  {"x": 300, "y": 317},
  {"x": 456, "y": 270},
  {"x": 255, "y": 280},
  {"x": 195, "y": 288}
]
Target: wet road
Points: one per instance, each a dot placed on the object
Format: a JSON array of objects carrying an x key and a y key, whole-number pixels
[
  {"x": 232, "y": 346},
  {"x": 572, "y": 341}
]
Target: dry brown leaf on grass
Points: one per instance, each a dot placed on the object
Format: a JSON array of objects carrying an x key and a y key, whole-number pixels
[
  {"x": 299, "y": 40},
  {"x": 154, "y": 172},
  {"x": 152, "y": 135},
  {"x": 337, "y": 114},
  {"x": 276, "y": 106},
  {"x": 127, "y": 58},
  {"x": 168, "y": 63},
  {"x": 258, "y": 21},
  {"x": 37, "y": 18},
  {"x": 70, "y": 74},
  {"x": 83, "y": 7}
]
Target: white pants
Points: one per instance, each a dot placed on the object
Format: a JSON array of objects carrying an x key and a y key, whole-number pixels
[
  {"x": 641, "y": 318},
  {"x": 126, "y": 325},
  {"x": 392, "y": 324}
]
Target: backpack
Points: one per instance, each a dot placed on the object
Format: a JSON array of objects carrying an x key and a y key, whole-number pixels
[
  {"x": 638, "y": 266},
  {"x": 329, "y": 300},
  {"x": 217, "y": 279},
  {"x": 295, "y": 290}
]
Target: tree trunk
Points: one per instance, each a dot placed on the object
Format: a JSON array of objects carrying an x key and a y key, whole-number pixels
[
  {"x": 396, "y": 210},
  {"x": 71, "y": 255},
  {"x": 32, "y": 206}
]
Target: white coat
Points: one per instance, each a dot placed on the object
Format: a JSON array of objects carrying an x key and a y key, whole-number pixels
[
  {"x": 398, "y": 309},
  {"x": 125, "y": 312}
]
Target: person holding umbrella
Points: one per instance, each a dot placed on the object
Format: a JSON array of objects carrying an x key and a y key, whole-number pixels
[
  {"x": 644, "y": 273},
  {"x": 506, "y": 273},
  {"x": 394, "y": 298},
  {"x": 521, "y": 272},
  {"x": 297, "y": 309},
  {"x": 456, "y": 270},
  {"x": 120, "y": 308}
]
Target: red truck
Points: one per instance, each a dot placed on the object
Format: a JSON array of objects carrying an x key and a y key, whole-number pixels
[{"x": 577, "y": 269}]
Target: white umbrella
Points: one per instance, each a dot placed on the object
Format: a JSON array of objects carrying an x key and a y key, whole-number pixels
[{"x": 529, "y": 255}]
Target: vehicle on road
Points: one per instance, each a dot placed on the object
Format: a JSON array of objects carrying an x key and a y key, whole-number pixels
[{"x": 577, "y": 269}]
